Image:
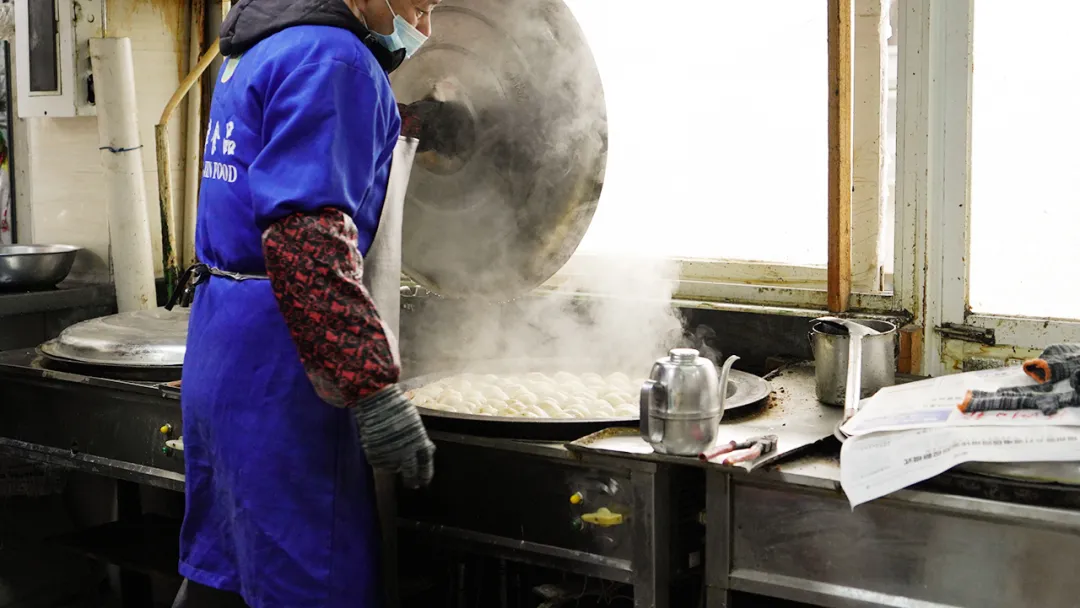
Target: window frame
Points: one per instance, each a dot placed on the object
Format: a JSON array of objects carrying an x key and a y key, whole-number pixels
[
  {"x": 956, "y": 338},
  {"x": 726, "y": 281}
]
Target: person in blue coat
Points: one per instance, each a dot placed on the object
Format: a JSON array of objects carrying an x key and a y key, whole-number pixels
[{"x": 290, "y": 392}]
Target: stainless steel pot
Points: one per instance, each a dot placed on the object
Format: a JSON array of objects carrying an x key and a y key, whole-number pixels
[
  {"x": 35, "y": 266},
  {"x": 831, "y": 360}
]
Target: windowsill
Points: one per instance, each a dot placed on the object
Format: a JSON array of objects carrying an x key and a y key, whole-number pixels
[
  {"x": 762, "y": 309},
  {"x": 785, "y": 311}
]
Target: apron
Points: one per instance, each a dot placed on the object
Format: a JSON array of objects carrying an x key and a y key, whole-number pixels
[
  {"x": 281, "y": 506},
  {"x": 382, "y": 277}
]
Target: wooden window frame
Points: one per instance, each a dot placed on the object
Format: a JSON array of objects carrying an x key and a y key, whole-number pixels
[
  {"x": 936, "y": 156},
  {"x": 858, "y": 187}
]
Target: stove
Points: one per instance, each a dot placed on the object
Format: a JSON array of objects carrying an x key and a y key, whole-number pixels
[{"x": 107, "y": 426}]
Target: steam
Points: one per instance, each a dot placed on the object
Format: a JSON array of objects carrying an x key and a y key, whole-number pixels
[
  {"x": 617, "y": 315},
  {"x": 551, "y": 133}
]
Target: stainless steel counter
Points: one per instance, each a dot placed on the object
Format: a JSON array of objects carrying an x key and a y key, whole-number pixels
[
  {"x": 790, "y": 533},
  {"x": 792, "y": 414},
  {"x": 784, "y": 530},
  {"x": 787, "y": 531}
]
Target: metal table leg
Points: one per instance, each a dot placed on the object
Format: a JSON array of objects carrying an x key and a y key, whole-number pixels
[
  {"x": 717, "y": 538},
  {"x": 136, "y": 590},
  {"x": 386, "y": 501},
  {"x": 652, "y": 532}
]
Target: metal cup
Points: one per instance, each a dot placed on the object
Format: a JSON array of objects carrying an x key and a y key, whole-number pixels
[{"x": 831, "y": 360}]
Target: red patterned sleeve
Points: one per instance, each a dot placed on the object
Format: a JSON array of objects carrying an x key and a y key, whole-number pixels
[{"x": 315, "y": 270}]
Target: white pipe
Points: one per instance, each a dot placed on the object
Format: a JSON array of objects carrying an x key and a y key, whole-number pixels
[
  {"x": 125, "y": 187},
  {"x": 185, "y": 236}
]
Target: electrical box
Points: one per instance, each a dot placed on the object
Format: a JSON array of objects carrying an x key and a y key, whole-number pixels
[{"x": 52, "y": 56}]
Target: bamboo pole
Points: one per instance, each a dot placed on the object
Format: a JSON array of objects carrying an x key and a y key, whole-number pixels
[
  {"x": 841, "y": 43},
  {"x": 185, "y": 217},
  {"x": 169, "y": 246}
]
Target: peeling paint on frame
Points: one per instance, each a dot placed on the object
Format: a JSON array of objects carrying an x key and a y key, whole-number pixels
[{"x": 960, "y": 356}]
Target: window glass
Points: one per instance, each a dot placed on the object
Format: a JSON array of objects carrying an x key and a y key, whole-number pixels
[
  {"x": 1025, "y": 204},
  {"x": 718, "y": 129}
]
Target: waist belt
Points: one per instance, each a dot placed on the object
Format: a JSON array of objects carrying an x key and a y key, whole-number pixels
[{"x": 196, "y": 275}]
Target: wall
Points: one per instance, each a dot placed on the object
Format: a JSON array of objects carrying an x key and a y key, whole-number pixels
[{"x": 60, "y": 181}]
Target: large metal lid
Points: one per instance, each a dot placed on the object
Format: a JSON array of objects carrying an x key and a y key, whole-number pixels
[
  {"x": 146, "y": 338},
  {"x": 507, "y": 212}
]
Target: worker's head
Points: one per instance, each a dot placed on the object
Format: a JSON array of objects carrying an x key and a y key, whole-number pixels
[{"x": 398, "y": 23}]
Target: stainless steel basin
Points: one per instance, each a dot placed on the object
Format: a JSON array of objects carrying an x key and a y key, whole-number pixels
[{"x": 35, "y": 266}]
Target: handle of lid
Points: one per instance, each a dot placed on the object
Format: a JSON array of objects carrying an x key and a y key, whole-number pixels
[{"x": 683, "y": 355}]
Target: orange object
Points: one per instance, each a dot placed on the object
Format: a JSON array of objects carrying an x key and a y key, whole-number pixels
[{"x": 1039, "y": 370}]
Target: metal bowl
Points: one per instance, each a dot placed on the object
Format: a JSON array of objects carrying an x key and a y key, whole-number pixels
[{"x": 35, "y": 266}]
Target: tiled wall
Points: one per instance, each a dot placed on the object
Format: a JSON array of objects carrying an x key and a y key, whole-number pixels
[{"x": 64, "y": 201}]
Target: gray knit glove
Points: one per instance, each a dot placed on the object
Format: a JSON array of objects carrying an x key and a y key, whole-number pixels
[
  {"x": 394, "y": 438},
  {"x": 1057, "y": 363}
]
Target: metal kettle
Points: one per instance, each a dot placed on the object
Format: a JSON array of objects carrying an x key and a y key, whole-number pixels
[{"x": 682, "y": 403}]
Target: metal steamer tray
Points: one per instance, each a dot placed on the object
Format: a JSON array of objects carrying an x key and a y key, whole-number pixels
[
  {"x": 144, "y": 345},
  {"x": 744, "y": 392}
]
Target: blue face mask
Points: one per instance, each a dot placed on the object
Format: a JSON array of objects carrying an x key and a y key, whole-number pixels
[{"x": 405, "y": 36}]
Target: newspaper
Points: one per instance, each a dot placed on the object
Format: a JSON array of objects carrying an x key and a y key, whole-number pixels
[
  {"x": 872, "y": 466},
  {"x": 934, "y": 403},
  {"x": 909, "y": 433}
]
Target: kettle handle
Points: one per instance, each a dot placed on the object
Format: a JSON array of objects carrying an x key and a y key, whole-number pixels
[{"x": 646, "y": 402}]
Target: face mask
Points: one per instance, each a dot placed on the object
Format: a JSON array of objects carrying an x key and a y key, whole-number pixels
[{"x": 405, "y": 36}]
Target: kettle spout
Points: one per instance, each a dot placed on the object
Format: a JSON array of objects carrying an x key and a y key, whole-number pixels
[{"x": 724, "y": 378}]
